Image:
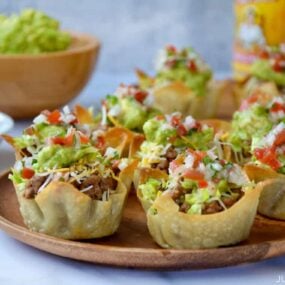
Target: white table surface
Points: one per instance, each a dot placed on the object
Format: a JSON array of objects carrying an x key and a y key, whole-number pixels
[{"x": 22, "y": 264}]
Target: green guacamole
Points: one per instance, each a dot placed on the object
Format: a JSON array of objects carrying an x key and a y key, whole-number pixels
[
  {"x": 129, "y": 112},
  {"x": 160, "y": 132},
  {"x": 56, "y": 156},
  {"x": 263, "y": 70},
  {"x": 31, "y": 32},
  {"x": 252, "y": 122}
]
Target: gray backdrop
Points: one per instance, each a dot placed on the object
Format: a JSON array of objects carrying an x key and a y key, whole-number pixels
[{"x": 132, "y": 30}]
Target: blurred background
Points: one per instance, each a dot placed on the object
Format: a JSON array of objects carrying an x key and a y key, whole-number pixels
[{"x": 131, "y": 31}]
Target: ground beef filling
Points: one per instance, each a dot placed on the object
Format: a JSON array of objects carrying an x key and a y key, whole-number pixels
[
  {"x": 179, "y": 192},
  {"x": 99, "y": 186},
  {"x": 170, "y": 155}
]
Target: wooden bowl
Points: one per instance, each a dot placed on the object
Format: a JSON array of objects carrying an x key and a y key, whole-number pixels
[{"x": 32, "y": 83}]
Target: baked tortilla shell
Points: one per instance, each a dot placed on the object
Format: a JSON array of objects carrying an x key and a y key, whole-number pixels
[
  {"x": 61, "y": 210},
  {"x": 173, "y": 229},
  {"x": 176, "y": 96},
  {"x": 259, "y": 173},
  {"x": 218, "y": 125},
  {"x": 272, "y": 198},
  {"x": 125, "y": 141}
]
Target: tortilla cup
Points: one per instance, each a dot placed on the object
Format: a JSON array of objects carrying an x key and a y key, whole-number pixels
[
  {"x": 260, "y": 173},
  {"x": 173, "y": 229},
  {"x": 272, "y": 198},
  {"x": 83, "y": 115},
  {"x": 141, "y": 176},
  {"x": 125, "y": 141},
  {"x": 218, "y": 125},
  {"x": 61, "y": 210},
  {"x": 176, "y": 96},
  {"x": 266, "y": 90}
]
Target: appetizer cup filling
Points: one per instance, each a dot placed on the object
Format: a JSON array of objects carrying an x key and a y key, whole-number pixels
[
  {"x": 183, "y": 65},
  {"x": 57, "y": 148},
  {"x": 129, "y": 107},
  {"x": 270, "y": 66},
  {"x": 201, "y": 183},
  {"x": 168, "y": 135},
  {"x": 256, "y": 117}
]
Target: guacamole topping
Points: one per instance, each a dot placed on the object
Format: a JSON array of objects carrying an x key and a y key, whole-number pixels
[
  {"x": 254, "y": 120},
  {"x": 183, "y": 65},
  {"x": 178, "y": 131},
  {"x": 129, "y": 106},
  {"x": 263, "y": 70},
  {"x": 152, "y": 188},
  {"x": 31, "y": 32}
]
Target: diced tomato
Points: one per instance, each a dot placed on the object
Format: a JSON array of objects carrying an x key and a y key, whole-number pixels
[
  {"x": 267, "y": 156},
  {"x": 27, "y": 173},
  {"x": 202, "y": 183},
  {"x": 83, "y": 138},
  {"x": 198, "y": 156},
  {"x": 54, "y": 117},
  {"x": 264, "y": 54},
  {"x": 191, "y": 65},
  {"x": 276, "y": 107},
  {"x": 278, "y": 62},
  {"x": 280, "y": 138},
  {"x": 253, "y": 98},
  {"x": 193, "y": 174},
  {"x": 58, "y": 140},
  {"x": 100, "y": 143},
  {"x": 259, "y": 152},
  {"x": 69, "y": 139},
  {"x": 171, "y": 49},
  {"x": 66, "y": 141},
  {"x": 175, "y": 121},
  {"x": 277, "y": 66},
  {"x": 181, "y": 130},
  {"x": 140, "y": 96}
]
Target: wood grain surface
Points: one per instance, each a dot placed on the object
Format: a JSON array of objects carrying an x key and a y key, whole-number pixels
[{"x": 132, "y": 245}]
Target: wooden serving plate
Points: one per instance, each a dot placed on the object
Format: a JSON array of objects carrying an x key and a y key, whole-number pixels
[{"x": 132, "y": 245}]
